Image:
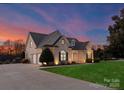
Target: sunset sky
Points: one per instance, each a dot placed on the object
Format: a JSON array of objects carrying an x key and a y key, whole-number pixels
[{"x": 82, "y": 21}]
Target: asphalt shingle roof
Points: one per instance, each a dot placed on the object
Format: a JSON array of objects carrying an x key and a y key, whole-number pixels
[
  {"x": 50, "y": 39},
  {"x": 80, "y": 45},
  {"x": 38, "y": 37}
]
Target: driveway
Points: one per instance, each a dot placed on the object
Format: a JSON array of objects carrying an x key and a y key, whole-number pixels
[{"x": 29, "y": 77}]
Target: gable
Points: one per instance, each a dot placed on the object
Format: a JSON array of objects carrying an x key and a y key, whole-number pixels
[
  {"x": 37, "y": 37},
  {"x": 30, "y": 39},
  {"x": 78, "y": 44},
  {"x": 59, "y": 42},
  {"x": 50, "y": 39}
]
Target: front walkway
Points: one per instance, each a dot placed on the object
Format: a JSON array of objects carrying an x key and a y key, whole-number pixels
[{"x": 29, "y": 77}]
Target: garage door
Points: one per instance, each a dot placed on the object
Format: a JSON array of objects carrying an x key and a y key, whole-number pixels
[
  {"x": 75, "y": 57},
  {"x": 34, "y": 59}
]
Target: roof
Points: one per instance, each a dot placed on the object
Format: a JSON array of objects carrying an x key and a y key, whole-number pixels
[
  {"x": 38, "y": 37},
  {"x": 51, "y": 39},
  {"x": 70, "y": 39},
  {"x": 79, "y": 45}
]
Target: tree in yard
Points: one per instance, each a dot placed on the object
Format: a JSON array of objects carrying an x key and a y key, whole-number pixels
[
  {"x": 47, "y": 56},
  {"x": 99, "y": 53},
  {"x": 19, "y": 46},
  {"x": 116, "y": 37}
]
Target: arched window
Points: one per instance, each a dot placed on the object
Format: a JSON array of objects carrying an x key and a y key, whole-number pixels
[
  {"x": 31, "y": 44},
  {"x": 63, "y": 55}
]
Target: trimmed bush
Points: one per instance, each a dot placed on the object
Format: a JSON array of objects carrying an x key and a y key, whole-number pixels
[
  {"x": 1, "y": 62},
  {"x": 89, "y": 60},
  {"x": 25, "y": 61},
  {"x": 47, "y": 56},
  {"x": 73, "y": 62},
  {"x": 96, "y": 60},
  {"x": 17, "y": 60},
  {"x": 5, "y": 62},
  {"x": 68, "y": 63}
]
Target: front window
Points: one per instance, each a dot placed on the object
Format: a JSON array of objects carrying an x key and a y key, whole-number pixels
[
  {"x": 63, "y": 55},
  {"x": 31, "y": 44},
  {"x": 73, "y": 43},
  {"x": 63, "y": 41}
]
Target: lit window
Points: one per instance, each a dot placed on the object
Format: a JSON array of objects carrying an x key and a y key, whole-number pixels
[
  {"x": 31, "y": 44},
  {"x": 63, "y": 55},
  {"x": 63, "y": 41},
  {"x": 73, "y": 43}
]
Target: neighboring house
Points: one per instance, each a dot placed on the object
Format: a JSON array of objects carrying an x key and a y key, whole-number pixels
[{"x": 64, "y": 49}]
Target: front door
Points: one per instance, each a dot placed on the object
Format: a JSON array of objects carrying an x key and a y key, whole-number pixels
[{"x": 63, "y": 56}]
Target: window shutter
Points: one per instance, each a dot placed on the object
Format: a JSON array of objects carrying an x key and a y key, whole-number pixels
[
  {"x": 66, "y": 56},
  {"x": 59, "y": 56}
]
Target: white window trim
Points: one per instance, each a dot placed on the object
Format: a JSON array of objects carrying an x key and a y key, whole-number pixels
[
  {"x": 62, "y": 41},
  {"x": 63, "y": 55},
  {"x": 31, "y": 44},
  {"x": 73, "y": 43}
]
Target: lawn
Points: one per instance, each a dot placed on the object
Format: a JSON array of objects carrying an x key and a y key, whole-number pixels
[{"x": 109, "y": 73}]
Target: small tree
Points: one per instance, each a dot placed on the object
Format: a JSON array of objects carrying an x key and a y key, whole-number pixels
[
  {"x": 47, "y": 56},
  {"x": 99, "y": 53}
]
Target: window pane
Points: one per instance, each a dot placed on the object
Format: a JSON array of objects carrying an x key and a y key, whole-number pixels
[
  {"x": 63, "y": 42},
  {"x": 63, "y": 55}
]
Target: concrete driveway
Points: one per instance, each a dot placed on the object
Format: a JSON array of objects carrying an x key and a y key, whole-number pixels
[{"x": 29, "y": 77}]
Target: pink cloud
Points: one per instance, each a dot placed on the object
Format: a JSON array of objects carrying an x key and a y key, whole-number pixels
[
  {"x": 20, "y": 26},
  {"x": 22, "y": 20},
  {"x": 43, "y": 13},
  {"x": 75, "y": 24},
  {"x": 14, "y": 32},
  {"x": 10, "y": 32},
  {"x": 82, "y": 38}
]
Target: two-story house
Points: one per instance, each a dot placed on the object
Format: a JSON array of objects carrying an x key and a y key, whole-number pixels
[{"x": 64, "y": 49}]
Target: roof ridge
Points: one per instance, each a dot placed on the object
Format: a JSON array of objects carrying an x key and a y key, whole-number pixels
[{"x": 37, "y": 33}]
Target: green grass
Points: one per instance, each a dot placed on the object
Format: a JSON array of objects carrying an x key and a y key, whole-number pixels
[{"x": 109, "y": 73}]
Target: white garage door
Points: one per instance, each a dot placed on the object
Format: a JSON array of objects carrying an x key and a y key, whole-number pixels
[
  {"x": 34, "y": 59},
  {"x": 39, "y": 60}
]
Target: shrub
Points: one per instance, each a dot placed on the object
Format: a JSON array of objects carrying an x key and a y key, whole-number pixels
[
  {"x": 73, "y": 62},
  {"x": 17, "y": 60},
  {"x": 7, "y": 62},
  {"x": 1, "y": 62},
  {"x": 47, "y": 56},
  {"x": 96, "y": 60},
  {"x": 68, "y": 63},
  {"x": 63, "y": 63},
  {"x": 50, "y": 63},
  {"x": 25, "y": 61},
  {"x": 89, "y": 60}
]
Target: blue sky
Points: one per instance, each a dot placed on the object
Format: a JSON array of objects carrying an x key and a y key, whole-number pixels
[{"x": 82, "y": 21}]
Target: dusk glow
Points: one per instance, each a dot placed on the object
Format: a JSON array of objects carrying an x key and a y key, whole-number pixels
[{"x": 83, "y": 21}]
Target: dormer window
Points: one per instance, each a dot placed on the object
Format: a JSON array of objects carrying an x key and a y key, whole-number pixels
[
  {"x": 31, "y": 43},
  {"x": 73, "y": 43},
  {"x": 63, "y": 41}
]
